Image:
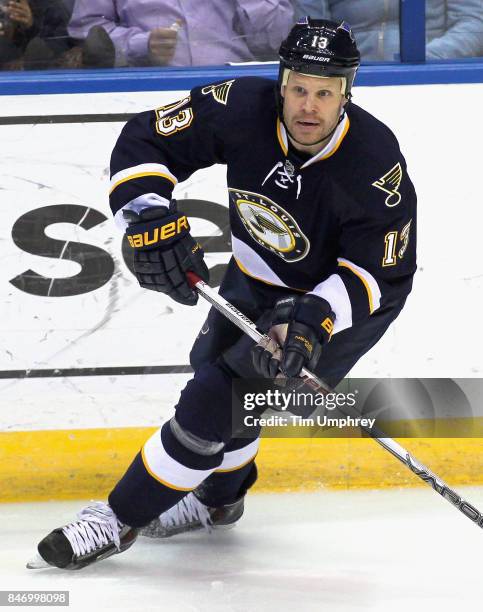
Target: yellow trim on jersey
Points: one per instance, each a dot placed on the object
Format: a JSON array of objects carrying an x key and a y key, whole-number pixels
[
  {"x": 261, "y": 280},
  {"x": 312, "y": 160},
  {"x": 365, "y": 283},
  {"x": 238, "y": 467},
  {"x": 280, "y": 138},
  {"x": 339, "y": 142},
  {"x": 245, "y": 271},
  {"x": 140, "y": 174},
  {"x": 163, "y": 482}
]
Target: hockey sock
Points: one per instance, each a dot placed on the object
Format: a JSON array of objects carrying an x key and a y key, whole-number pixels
[{"x": 158, "y": 478}]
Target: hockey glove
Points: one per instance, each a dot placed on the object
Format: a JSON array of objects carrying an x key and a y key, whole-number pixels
[
  {"x": 164, "y": 251},
  {"x": 301, "y": 326}
]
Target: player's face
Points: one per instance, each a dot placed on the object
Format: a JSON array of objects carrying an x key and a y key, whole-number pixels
[{"x": 311, "y": 109}]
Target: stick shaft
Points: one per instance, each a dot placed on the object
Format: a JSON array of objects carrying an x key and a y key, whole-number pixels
[{"x": 393, "y": 447}]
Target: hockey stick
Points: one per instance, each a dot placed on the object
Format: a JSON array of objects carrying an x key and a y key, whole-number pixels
[{"x": 246, "y": 325}]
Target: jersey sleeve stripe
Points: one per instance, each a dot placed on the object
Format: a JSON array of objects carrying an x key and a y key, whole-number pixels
[
  {"x": 369, "y": 282},
  {"x": 236, "y": 459},
  {"x": 137, "y": 187},
  {"x": 166, "y": 470},
  {"x": 139, "y": 171},
  {"x": 334, "y": 291}
]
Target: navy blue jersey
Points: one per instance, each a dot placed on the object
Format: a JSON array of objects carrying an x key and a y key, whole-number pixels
[{"x": 341, "y": 224}]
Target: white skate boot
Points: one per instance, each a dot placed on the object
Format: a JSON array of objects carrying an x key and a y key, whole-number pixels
[
  {"x": 191, "y": 514},
  {"x": 96, "y": 535}
]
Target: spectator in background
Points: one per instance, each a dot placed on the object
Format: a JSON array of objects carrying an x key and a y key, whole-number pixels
[
  {"x": 454, "y": 28},
  {"x": 318, "y": 9},
  {"x": 26, "y": 25},
  {"x": 159, "y": 32},
  {"x": 16, "y": 28}
]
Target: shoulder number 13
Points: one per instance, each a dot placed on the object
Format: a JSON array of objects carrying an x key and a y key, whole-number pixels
[
  {"x": 169, "y": 122},
  {"x": 390, "y": 242}
]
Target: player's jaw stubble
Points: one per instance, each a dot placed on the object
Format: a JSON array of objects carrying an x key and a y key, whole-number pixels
[{"x": 310, "y": 134}]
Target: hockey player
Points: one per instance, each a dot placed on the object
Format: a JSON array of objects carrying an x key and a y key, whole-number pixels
[{"x": 323, "y": 224}]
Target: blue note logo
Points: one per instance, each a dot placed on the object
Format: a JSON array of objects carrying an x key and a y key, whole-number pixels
[
  {"x": 219, "y": 92},
  {"x": 389, "y": 183}
]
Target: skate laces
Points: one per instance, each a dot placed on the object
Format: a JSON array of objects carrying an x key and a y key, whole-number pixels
[
  {"x": 97, "y": 526},
  {"x": 188, "y": 509}
]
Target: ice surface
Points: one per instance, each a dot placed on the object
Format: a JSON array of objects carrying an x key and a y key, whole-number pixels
[{"x": 392, "y": 550}]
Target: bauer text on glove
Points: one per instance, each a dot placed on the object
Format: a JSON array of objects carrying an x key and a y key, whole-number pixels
[{"x": 164, "y": 251}]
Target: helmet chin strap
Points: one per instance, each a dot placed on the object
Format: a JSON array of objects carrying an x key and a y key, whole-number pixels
[{"x": 329, "y": 135}]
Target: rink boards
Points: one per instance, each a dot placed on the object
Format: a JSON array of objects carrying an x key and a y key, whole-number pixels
[
  {"x": 78, "y": 398},
  {"x": 85, "y": 464}
]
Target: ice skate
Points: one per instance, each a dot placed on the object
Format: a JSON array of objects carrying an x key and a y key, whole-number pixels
[
  {"x": 96, "y": 535},
  {"x": 191, "y": 514}
]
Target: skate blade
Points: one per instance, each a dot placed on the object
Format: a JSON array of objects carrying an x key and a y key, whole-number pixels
[
  {"x": 224, "y": 527},
  {"x": 37, "y": 563}
]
